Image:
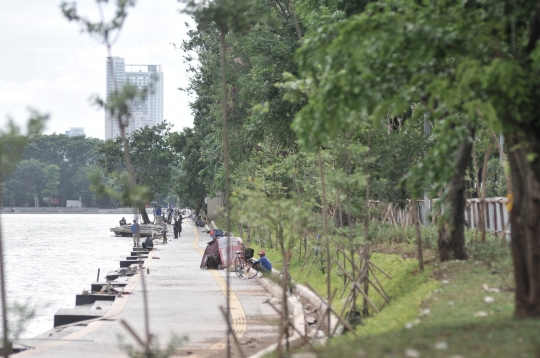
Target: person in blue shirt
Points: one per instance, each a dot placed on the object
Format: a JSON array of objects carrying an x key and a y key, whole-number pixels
[
  {"x": 158, "y": 215},
  {"x": 135, "y": 229},
  {"x": 263, "y": 265}
]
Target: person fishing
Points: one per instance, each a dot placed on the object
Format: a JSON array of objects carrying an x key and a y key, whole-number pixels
[
  {"x": 148, "y": 243},
  {"x": 262, "y": 265},
  {"x": 180, "y": 225},
  {"x": 169, "y": 214},
  {"x": 175, "y": 228}
]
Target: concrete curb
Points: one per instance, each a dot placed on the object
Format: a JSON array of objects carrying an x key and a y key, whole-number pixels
[
  {"x": 295, "y": 341},
  {"x": 306, "y": 294}
]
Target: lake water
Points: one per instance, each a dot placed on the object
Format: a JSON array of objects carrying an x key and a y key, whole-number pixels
[{"x": 52, "y": 257}]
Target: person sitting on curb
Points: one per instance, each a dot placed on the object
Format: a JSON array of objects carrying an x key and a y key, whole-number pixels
[
  {"x": 148, "y": 243},
  {"x": 263, "y": 265}
]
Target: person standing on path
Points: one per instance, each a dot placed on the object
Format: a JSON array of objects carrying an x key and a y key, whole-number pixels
[
  {"x": 135, "y": 230},
  {"x": 180, "y": 225},
  {"x": 164, "y": 231},
  {"x": 158, "y": 215},
  {"x": 175, "y": 228}
]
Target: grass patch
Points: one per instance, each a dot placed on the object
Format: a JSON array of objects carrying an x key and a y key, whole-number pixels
[
  {"x": 452, "y": 306},
  {"x": 442, "y": 307},
  {"x": 405, "y": 278}
]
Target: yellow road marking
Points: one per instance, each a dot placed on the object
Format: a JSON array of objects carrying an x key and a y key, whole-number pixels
[{"x": 238, "y": 316}]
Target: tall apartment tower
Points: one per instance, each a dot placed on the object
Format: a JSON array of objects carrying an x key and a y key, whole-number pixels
[{"x": 146, "y": 112}]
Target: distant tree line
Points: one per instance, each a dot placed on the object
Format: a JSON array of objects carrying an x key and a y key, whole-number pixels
[
  {"x": 53, "y": 167},
  {"x": 56, "y": 168}
]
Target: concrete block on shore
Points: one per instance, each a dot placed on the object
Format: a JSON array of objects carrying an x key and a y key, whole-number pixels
[
  {"x": 136, "y": 257},
  {"x": 127, "y": 263},
  {"x": 81, "y": 300},
  {"x": 67, "y": 316}
]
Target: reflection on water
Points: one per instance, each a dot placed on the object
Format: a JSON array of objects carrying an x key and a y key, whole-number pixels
[{"x": 52, "y": 257}]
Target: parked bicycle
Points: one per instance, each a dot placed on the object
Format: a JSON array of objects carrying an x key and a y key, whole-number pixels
[{"x": 242, "y": 260}]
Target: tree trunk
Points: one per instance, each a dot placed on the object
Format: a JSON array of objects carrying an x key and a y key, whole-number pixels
[
  {"x": 144, "y": 215},
  {"x": 416, "y": 222},
  {"x": 452, "y": 234},
  {"x": 483, "y": 204},
  {"x": 525, "y": 224}
]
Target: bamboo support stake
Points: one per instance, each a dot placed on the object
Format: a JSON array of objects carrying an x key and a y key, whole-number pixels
[
  {"x": 378, "y": 282},
  {"x": 378, "y": 268},
  {"x": 319, "y": 323},
  {"x": 387, "y": 212},
  {"x": 331, "y": 264},
  {"x": 330, "y": 309},
  {"x": 359, "y": 288},
  {"x": 371, "y": 282},
  {"x": 310, "y": 266},
  {"x": 325, "y": 227},
  {"x": 304, "y": 337},
  {"x": 307, "y": 257},
  {"x": 393, "y": 218},
  {"x": 383, "y": 295}
]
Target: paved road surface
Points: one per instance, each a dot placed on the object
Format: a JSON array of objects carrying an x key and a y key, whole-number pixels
[{"x": 183, "y": 302}]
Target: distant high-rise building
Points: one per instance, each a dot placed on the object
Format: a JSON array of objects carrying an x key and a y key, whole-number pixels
[
  {"x": 146, "y": 112},
  {"x": 75, "y": 132}
]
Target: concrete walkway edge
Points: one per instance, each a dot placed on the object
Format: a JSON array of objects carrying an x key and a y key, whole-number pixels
[{"x": 296, "y": 340}]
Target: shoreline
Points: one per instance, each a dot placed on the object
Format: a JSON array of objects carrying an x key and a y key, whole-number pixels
[{"x": 45, "y": 210}]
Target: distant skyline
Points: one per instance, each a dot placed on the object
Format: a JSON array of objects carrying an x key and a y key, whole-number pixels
[{"x": 49, "y": 65}]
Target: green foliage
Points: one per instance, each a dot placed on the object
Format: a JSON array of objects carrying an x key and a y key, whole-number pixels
[
  {"x": 104, "y": 31},
  {"x": 386, "y": 234},
  {"x": 407, "y": 290},
  {"x": 75, "y": 157},
  {"x": 493, "y": 253},
  {"x": 152, "y": 160},
  {"x": 51, "y": 177},
  {"x": 496, "y": 182},
  {"x": 20, "y": 314},
  {"x": 190, "y": 183},
  {"x": 13, "y": 141},
  {"x": 226, "y": 15}
]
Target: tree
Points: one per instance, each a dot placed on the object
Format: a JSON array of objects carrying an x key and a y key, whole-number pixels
[
  {"x": 68, "y": 153},
  {"x": 26, "y": 181},
  {"x": 51, "y": 178},
  {"x": 189, "y": 186},
  {"x": 81, "y": 185},
  {"x": 152, "y": 159},
  {"x": 464, "y": 62}
]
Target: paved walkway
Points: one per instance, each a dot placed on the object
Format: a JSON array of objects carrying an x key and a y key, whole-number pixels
[{"x": 184, "y": 301}]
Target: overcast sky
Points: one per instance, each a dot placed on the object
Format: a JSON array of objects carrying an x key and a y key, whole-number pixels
[{"x": 48, "y": 64}]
